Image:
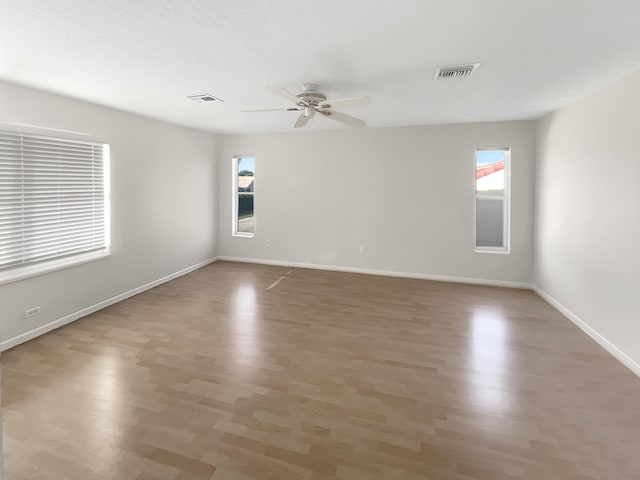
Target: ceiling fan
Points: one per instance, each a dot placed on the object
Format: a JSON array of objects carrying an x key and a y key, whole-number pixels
[{"x": 311, "y": 101}]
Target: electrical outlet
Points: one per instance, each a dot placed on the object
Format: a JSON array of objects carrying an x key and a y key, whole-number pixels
[
  {"x": 32, "y": 312},
  {"x": 267, "y": 243},
  {"x": 463, "y": 256},
  {"x": 361, "y": 249}
]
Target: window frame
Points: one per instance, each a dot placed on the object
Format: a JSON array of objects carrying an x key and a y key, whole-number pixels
[
  {"x": 505, "y": 197},
  {"x": 235, "y": 195},
  {"x": 18, "y": 273}
]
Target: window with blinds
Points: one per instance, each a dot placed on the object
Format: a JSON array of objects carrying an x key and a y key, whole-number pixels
[{"x": 52, "y": 199}]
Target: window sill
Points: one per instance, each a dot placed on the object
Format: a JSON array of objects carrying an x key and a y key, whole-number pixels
[
  {"x": 22, "y": 273},
  {"x": 495, "y": 251},
  {"x": 243, "y": 235}
]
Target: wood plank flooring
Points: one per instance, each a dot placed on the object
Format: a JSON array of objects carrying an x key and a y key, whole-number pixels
[{"x": 324, "y": 376}]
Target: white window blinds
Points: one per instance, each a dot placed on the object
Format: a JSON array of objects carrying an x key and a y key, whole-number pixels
[{"x": 52, "y": 198}]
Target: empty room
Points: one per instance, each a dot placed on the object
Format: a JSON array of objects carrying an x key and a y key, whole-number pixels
[{"x": 320, "y": 240}]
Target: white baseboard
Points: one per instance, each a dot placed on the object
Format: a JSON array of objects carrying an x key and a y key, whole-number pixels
[
  {"x": 384, "y": 273},
  {"x": 36, "y": 332},
  {"x": 582, "y": 325}
]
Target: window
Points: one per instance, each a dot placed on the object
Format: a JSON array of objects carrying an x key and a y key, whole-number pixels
[
  {"x": 53, "y": 203},
  {"x": 492, "y": 199},
  {"x": 244, "y": 222}
]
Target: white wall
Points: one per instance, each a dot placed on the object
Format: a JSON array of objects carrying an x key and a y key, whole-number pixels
[
  {"x": 163, "y": 189},
  {"x": 588, "y": 214},
  {"x": 406, "y": 194}
]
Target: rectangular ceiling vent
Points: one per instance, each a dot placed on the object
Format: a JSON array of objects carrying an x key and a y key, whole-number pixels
[
  {"x": 456, "y": 71},
  {"x": 204, "y": 98}
]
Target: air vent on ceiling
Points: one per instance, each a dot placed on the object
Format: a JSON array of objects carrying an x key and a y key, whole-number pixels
[
  {"x": 456, "y": 71},
  {"x": 204, "y": 98}
]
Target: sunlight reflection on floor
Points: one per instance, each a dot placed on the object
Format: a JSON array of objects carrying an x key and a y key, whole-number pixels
[{"x": 489, "y": 360}]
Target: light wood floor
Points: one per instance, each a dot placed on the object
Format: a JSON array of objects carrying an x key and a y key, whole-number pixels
[{"x": 325, "y": 375}]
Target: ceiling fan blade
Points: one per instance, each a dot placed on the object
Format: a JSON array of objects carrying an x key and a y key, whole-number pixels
[
  {"x": 346, "y": 102},
  {"x": 284, "y": 93},
  {"x": 346, "y": 119},
  {"x": 302, "y": 120},
  {"x": 293, "y": 109}
]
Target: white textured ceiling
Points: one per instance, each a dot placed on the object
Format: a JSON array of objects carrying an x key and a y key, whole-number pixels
[{"x": 146, "y": 56}]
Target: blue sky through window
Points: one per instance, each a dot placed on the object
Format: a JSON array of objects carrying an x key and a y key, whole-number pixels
[
  {"x": 246, "y": 163},
  {"x": 484, "y": 157}
]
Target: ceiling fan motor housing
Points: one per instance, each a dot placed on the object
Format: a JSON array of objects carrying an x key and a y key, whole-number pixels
[{"x": 311, "y": 95}]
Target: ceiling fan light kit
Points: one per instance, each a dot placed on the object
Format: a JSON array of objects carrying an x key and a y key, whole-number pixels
[{"x": 311, "y": 100}]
